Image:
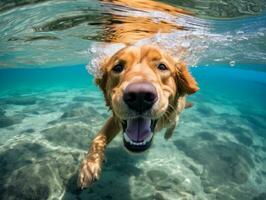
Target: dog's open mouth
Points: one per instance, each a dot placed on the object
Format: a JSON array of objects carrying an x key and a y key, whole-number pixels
[{"x": 138, "y": 133}]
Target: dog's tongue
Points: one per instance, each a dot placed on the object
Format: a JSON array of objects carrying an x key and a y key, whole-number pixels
[{"x": 138, "y": 129}]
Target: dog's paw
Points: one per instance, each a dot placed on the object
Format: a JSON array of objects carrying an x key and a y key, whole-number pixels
[{"x": 89, "y": 173}]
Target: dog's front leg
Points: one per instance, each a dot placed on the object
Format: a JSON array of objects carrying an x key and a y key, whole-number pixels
[
  {"x": 91, "y": 166},
  {"x": 169, "y": 131}
]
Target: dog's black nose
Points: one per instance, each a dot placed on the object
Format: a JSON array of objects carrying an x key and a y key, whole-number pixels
[{"x": 140, "y": 96}]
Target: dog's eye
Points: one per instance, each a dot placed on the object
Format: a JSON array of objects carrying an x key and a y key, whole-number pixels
[
  {"x": 118, "y": 68},
  {"x": 162, "y": 67}
]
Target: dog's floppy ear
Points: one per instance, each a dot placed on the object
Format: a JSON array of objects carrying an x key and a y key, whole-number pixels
[{"x": 186, "y": 84}]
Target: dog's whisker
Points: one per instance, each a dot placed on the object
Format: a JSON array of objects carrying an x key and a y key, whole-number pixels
[
  {"x": 167, "y": 117},
  {"x": 173, "y": 109}
]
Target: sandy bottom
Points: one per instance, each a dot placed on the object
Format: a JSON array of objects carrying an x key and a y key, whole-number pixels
[{"x": 218, "y": 151}]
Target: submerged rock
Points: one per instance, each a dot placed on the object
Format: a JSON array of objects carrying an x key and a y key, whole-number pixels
[
  {"x": 33, "y": 171},
  {"x": 78, "y": 110},
  {"x": 2, "y": 111},
  {"x": 8, "y": 121},
  {"x": 244, "y": 139},
  {"x": 261, "y": 196},
  {"x": 206, "y": 111},
  {"x": 241, "y": 135},
  {"x": 206, "y": 136},
  {"x": 196, "y": 170},
  {"x": 77, "y": 136},
  {"x": 29, "y": 130},
  {"x": 224, "y": 163},
  {"x": 29, "y": 183},
  {"x": 256, "y": 122},
  {"x": 23, "y": 101},
  {"x": 156, "y": 175},
  {"x": 80, "y": 113},
  {"x": 74, "y": 112}
]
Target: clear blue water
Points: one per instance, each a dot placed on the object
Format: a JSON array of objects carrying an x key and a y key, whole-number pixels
[
  {"x": 50, "y": 109},
  {"x": 218, "y": 150}
]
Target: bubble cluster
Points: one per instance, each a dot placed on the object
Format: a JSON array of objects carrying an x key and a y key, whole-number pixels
[
  {"x": 98, "y": 52},
  {"x": 185, "y": 46}
]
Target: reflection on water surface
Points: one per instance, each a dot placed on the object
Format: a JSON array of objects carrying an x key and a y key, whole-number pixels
[{"x": 57, "y": 33}]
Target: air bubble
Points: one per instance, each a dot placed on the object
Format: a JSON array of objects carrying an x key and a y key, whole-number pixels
[
  {"x": 185, "y": 44},
  {"x": 232, "y": 63}
]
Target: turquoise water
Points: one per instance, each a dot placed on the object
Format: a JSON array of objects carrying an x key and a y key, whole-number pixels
[
  {"x": 50, "y": 108},
  {"x": 49, "y": 116}
]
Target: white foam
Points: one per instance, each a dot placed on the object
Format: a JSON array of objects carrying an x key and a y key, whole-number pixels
[
  {"x": 98, "y": 52},
  {"x": 182, "y": 45}
]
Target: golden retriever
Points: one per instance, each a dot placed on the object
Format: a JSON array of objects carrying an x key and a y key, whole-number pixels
[{"x": 146, "y": 89}]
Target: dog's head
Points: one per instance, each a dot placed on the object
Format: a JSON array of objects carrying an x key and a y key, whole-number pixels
[{"x": 141, "y": 86}]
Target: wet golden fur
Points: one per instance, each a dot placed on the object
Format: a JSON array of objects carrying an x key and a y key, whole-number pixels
[{"x": 172, "y": 86}]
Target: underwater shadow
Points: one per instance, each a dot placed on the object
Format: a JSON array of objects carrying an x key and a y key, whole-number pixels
[
  {"x": 21, "y": 177},
  {"x": 227, "y": 165},
  {"x": 114, "y": 181}
]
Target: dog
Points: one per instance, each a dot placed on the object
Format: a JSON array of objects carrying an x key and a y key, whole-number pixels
[{"x": 146, "y": 89}]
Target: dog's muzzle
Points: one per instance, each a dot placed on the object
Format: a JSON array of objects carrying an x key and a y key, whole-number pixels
[{"x": 138, "y": 132}]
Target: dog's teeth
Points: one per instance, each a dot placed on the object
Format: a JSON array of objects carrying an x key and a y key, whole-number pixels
[{"x": 127, "y": 138}]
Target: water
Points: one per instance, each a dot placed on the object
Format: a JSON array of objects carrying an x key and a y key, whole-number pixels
[{"x": 50, "y": 109}]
